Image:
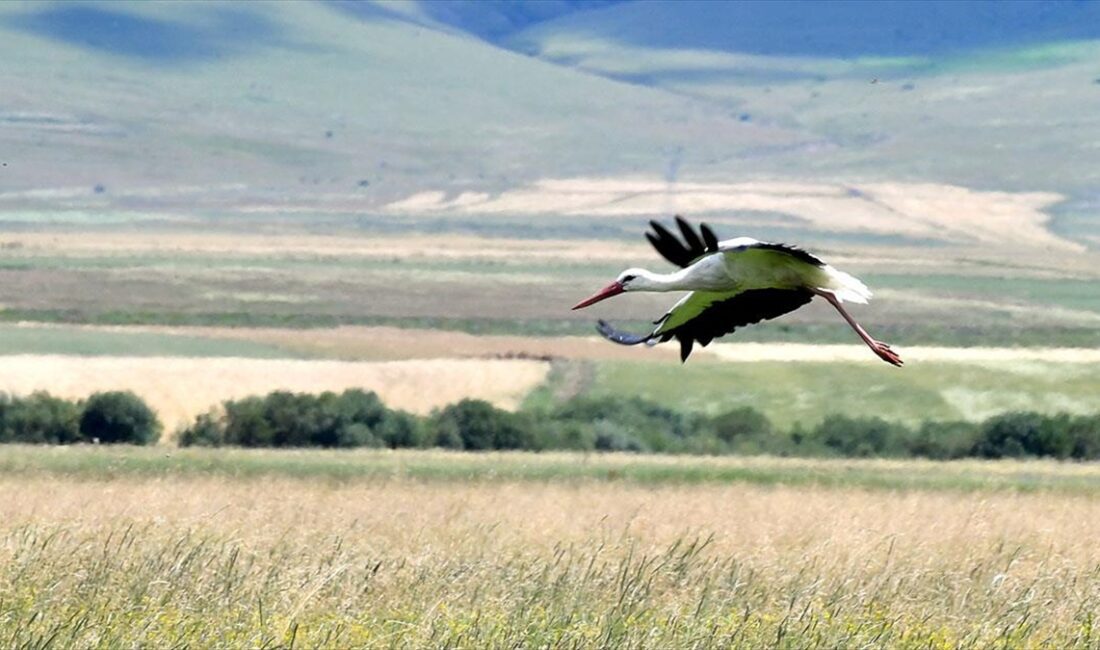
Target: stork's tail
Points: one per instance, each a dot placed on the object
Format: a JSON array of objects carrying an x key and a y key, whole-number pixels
[{"x": 845, "y": 287}]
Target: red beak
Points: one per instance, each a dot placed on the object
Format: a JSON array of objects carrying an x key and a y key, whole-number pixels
[{"x": 612, "y": 289}]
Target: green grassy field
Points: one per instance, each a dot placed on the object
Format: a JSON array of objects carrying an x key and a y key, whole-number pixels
[
  {"x": 98, "y": 463},
  {"x": 108, "y": 547},
  {"x": 16, "y": 339},
  {"x": 805, "y": 392}
]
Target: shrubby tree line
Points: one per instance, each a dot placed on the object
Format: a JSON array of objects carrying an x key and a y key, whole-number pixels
[
  {"x": 108, "y": 417},
  {"x": 357, "y": 418}
]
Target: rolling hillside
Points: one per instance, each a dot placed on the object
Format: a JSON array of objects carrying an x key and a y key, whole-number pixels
[
  {"x": 932, "y": 160},
  {"x": 300, "y": 107},
  {"x": 125, "y": 110}
]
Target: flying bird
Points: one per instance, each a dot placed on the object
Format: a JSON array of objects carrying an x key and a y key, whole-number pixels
[{"x": 732, "y": 283}]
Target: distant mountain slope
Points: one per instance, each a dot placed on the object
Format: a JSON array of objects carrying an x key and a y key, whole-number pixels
[
  {"x": 298, "y": 102},
  {"x": 317, "y": 108},
  {"x": 980, "y": 94},
  {"x": 835, "y": 29},
  {"x": 494, "y": 20}
]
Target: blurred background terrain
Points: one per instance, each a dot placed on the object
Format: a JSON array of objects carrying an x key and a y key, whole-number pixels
[{"x": 381, "y": 182}]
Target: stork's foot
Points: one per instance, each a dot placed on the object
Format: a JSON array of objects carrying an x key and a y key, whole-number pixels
[{"x": 885, "y": 353}]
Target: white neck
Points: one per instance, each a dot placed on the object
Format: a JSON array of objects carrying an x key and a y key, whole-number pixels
[{"x": 650, "y": 281}]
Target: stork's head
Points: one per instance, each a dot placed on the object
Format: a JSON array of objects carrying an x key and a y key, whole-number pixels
[{"x": 628, "y": 280}]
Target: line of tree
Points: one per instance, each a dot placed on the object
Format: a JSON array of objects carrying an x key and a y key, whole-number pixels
[{"x": 357, "y": 418}]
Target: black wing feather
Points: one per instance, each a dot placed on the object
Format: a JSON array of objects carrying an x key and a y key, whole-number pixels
[
  {"x": 709, "y": 238},
  {"x": 682, "y": 252},
  {"x": 685, "y": 349},
  {"x": 690, "y": 238},
  {"x": 719, "y": 319},
  {"x": 669, "y": 245},
  {"x": 746, "y": 308},
  {"x": 664, "y": 248}
]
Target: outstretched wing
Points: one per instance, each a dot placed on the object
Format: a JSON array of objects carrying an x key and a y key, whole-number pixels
[
  {"x": 702, "y": 316},
  {"x": 685, "y": 249},
  {"x": 682, "y": 253},
  {"x": 745, "y": 246}
]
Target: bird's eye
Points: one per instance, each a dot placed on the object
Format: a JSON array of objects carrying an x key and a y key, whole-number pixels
[{"x": 628, "y": 278}]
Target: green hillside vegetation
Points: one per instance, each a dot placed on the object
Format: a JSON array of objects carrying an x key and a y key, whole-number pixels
[{"x": 806, "y": 392}]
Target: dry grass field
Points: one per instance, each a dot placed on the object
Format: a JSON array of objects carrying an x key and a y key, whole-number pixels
[
  {"x": 180, "y": 388},
  {"x": 109, "y": 558},
  {"x": 918, "y": 210},
  {"x": 245, "y": 244}
]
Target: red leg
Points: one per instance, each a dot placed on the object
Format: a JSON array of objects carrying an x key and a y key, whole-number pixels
[{"x": 878, "y": 347}]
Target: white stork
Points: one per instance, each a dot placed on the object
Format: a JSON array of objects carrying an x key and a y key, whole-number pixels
[{"x": 732, "y": 283}]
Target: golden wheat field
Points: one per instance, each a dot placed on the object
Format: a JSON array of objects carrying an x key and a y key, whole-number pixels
[
  {"x": 180, "y": 388},
  {"x": 108, "y": 558}
]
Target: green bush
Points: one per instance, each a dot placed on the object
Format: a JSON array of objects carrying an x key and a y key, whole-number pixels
[
  {"x": 478, "y": 425},
  {"x": 355, "y": 434},
  {"x": 644, "y": 425},
  {"x": 747, "y": 431},
  {"x": 207, "y": 431},
  {"x": 861, "y": 437},
  {"x": 612, "y": 436},
  {"x": 354, "y": 418},
  {"x": 944, "y": 440},
  {"x": 1025, "y": 434},
  {"x": 569, "y": 435},
  {"x": 739, "y": 424},
  {"x": 119, "y": 416},
  {"x": 41, "y": 419},
  {"x": 400, "y": 429},
  {"x": 246, "y": 424},
  {"x": 1085, "y": 433},
  {"x": 357, "y": 405},
  {"x": 286, "y": 416}
]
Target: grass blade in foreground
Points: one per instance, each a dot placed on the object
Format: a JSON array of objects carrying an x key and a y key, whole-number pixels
[{"x": 203, "y": 561}]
